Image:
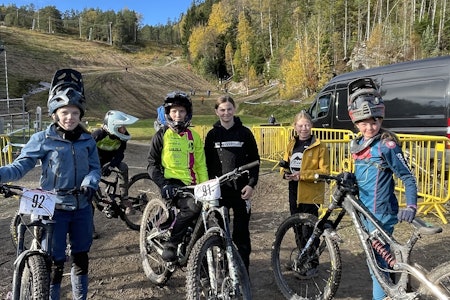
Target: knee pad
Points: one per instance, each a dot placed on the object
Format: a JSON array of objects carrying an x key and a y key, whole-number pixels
[
  {"x": 80, "y": 263},
  {"x": 57, "y": 272},
  {"x": 194, "y": 207}
]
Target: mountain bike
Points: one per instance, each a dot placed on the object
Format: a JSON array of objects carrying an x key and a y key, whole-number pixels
[
  {"x": 215, "y": 268},
  {"x": 107, "y": 199},
  {"x": 307, "y": 264},
  {"x": 32, "y": 267}
]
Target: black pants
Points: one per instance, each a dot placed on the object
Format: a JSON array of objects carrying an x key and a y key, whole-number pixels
[
  {"x": 188, "y": 213},
  {"x": 294, "y": 207},
  {"x": 241, "y": 219}
]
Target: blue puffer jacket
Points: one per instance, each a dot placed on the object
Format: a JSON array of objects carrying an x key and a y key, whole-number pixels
[
  {"x": 65, "y": 165},
  {"x": 375, "y": 165}
]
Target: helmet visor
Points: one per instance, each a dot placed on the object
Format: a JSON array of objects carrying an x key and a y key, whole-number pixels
[{"x": 366, "y": 98}]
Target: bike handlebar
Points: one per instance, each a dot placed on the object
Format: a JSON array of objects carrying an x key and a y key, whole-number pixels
[
  {"x": 9, "y": 190},
  {"x": 223, "y": 178}
]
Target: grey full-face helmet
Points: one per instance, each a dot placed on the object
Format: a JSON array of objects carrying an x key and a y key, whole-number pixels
[
  {"x": 364, "y": 100},
  {"x": 67, "y": 88}
]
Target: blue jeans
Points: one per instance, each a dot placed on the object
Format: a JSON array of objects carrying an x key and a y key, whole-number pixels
[
  {"x": 388, "y": 222},
  {"x": 77, "y": 226}
]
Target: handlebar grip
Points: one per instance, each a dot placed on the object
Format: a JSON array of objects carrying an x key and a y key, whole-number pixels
[
  {"x": 248, "y": 166},
  {"x": 322, "y": 177}
]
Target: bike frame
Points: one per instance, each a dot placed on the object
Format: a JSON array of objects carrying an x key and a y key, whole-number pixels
[
  {"x": 109, "y": 195},
  {"x": 344, "y": 197}
]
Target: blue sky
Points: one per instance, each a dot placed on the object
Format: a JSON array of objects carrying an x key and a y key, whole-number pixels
[{"x": 154, "y": 12}]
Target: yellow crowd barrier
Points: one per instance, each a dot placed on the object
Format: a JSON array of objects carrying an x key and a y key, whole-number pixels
[
  {"x": 426, "y": 156},
  {"x": 6, "y": 156}
]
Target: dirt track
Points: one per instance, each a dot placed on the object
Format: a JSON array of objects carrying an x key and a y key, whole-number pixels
[{"x": 116, "y": 272}]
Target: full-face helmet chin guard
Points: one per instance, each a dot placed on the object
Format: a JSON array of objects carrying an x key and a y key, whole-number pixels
[
  {"x": 178, "y": 99},
  {"x": 115, "y": 119},
  {"x": 364, "y": 100}
]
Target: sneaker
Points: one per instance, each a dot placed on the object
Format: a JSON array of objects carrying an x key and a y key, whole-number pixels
[
  {"x": 311, "y": 273},
  {"x": 169, "y": 253}
]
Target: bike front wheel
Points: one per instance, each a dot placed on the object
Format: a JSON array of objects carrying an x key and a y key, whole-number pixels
[
  {"x": 441, "y": 277},
  {"x": 141, "y": 189},
  {"x": 151, "y": 241},
  {"x": 35, "y": 279},
  {"x": 204, "y": 283},
  {"x": 318, "y": 273}
]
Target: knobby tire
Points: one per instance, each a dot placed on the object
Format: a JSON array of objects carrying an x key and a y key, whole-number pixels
[
  {"x": 290, "y": 274},
  {"x": 140, "y": 190},
  {"x": 155, "y": 268},
  {"x": 441, "y": 276},
  {"x": 197, "y": 279},
  {"x": 35, "y": 278}
]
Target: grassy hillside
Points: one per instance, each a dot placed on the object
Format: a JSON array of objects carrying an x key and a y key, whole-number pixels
[{"x": 134, "y": 80}]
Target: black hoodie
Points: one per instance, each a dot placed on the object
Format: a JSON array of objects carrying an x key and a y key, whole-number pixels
[{"x": 227, "y": 149}]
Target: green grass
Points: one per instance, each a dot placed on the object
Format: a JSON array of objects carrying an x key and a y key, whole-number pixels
[{"x": 144, "y": 129}]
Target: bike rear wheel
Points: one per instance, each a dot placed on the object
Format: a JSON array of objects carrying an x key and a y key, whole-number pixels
[
  {"x": 440, "y": 276},
  {"x": 35, "y": 278},
  {"x": 198, "y": 279},
  {"x": 151, "y": 242},
  {"x": 141, "y": 189},
  {"x": 316, "y": 277}
]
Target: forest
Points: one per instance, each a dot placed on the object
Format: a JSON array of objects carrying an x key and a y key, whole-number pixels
[{"x": 298, "y": 45}]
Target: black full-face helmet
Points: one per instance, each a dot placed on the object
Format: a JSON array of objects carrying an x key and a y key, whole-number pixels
[
  {"x": 364, "y": 100},
  {"x": 67, "y": 88},
  {"x": 178, "y": 99}
]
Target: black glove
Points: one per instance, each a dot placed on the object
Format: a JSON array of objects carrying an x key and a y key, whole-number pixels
[
  {"x": 168, "y": 191},
  {"x": 88, "y": 192},
  {"x": 407, "y": 214},
  {"x": 106, "y": 170}
]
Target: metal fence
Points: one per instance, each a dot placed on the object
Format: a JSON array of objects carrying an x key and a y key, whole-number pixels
[{"x": 427, "y": 157}]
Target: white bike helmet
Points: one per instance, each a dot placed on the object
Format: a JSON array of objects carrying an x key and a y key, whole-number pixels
[
  {"x": 67, "y": 88},
  {"x": 115, "y": 119},
  {"x": 364, "y": 100},
  {"x": 178, "y": 99}
]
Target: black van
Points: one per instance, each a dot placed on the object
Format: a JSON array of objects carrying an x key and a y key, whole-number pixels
[{"x": 416, "y": 95}]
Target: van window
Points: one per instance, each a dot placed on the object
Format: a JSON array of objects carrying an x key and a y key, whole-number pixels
[
  {"x": 321, "y": 107},
  {"x": 426, "y": 99}
]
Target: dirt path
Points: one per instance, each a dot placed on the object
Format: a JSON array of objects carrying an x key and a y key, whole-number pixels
[{"x": 115, "y": 267}]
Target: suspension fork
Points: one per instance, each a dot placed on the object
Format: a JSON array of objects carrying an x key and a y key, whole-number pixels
[
  {"x": 229, "y": 249},
  {"x": 224, "y": 233}
]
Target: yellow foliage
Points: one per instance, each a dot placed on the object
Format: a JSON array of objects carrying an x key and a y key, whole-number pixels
[
  {"x": 244, "y": 36},
  {"x": 301, "y": 72},
  {"x": 201, "y": 37},
  {"x": 220, "y": 19},
  {"x": 252, "y": 77}
]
